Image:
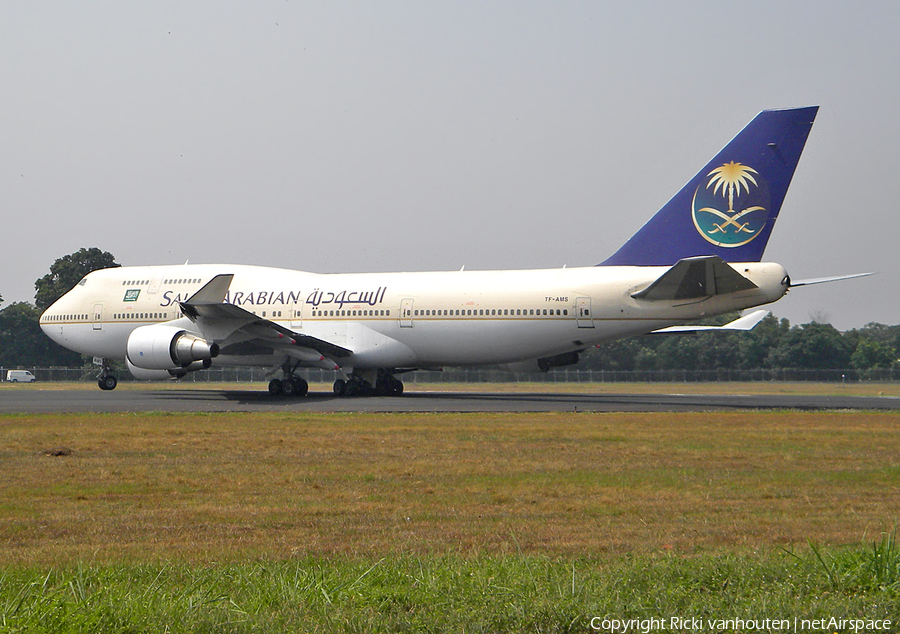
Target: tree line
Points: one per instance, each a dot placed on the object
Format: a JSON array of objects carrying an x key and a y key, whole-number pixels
[
  {"x": 773, "y": 344},
  {"x": 22, "y": 342}
]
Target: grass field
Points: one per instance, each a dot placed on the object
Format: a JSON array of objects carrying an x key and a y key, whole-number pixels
[{"x": 444, "y": 522}]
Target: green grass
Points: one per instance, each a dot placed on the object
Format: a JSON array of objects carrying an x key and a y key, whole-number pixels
[
  {"x": 451, "y": 593},
  {"x": 315, "y": 522}
]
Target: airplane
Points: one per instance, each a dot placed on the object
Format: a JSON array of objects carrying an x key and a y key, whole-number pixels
[{"x": 698, "y": 257}]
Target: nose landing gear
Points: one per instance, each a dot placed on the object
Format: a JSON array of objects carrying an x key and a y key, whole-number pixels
[{"x": 106, "y": 380}]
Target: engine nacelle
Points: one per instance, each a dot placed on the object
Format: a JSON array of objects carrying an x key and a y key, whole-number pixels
[
  {"x": 162, "y": 347},
  {"x": 142, "y": 374}
]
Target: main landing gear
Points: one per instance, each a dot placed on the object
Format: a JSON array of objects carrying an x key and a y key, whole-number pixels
[
  {"x": 291, "y": 385},
  {"x": 385, "y": 385}
]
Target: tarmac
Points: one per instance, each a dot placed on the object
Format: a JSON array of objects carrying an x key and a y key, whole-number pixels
[{"x": 193, "y": 400}]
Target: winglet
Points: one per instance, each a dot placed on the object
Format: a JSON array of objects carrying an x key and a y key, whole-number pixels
[{"x": 213, "y": 292}]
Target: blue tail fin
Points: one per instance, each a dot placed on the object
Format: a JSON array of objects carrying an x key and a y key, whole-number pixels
[{"x": 729, "y": 208}]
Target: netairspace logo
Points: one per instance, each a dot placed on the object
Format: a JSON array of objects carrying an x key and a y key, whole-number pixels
[{"x": 695, "y": 624}]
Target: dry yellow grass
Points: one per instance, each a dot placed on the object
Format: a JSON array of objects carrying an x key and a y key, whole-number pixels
[{"x": 202, "y": 487}]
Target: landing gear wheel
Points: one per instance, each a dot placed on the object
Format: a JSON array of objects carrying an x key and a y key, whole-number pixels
[
  {"x": 388, "y": 385},
  {"x": 340, "y": 387},
  {"x": 294, "y": 386},
  {"x": 276, "y": 386},
  {"x": 107, "y": 382}
]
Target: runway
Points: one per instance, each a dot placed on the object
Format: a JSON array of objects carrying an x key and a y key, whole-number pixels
[{"x": 192, "y": 400}]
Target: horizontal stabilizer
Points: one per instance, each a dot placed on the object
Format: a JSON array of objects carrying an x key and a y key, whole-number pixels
[
  {"x": 746, "y": 322},
  {"x": 822, "y": 280},
  {"x": 696, "y": 278}
]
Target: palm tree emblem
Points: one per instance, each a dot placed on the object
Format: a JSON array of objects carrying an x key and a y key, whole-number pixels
[{"x": 726, "y": 228}]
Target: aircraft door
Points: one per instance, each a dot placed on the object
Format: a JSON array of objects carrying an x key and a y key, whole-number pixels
[
  {"x": 583, "y": 316},
  {"x": 97, "y": 320},
  {"x": 155, "y": 281},
  {"x": 406, "y": 313},
  {"x": 296, "y": 315}
]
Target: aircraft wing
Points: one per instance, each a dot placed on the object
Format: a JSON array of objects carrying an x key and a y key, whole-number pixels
[
  {"x": 696, "y": 278},
  {"x": 743, "y": 323},
  {"x": 230, "y": 325}
]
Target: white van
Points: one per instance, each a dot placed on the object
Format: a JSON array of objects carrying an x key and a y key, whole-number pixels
[{"x": 19, "y": 376}]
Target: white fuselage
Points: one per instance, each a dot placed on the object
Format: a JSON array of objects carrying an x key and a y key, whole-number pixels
[{"x": 398, "y": 320}]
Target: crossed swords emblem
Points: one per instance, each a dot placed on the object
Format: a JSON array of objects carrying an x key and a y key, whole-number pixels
[
  {"x": 731, "y": 177},
  {"x": 730, "y": 219}
]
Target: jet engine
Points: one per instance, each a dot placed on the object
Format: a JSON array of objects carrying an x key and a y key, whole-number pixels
[{"x": 163, "y": 347}]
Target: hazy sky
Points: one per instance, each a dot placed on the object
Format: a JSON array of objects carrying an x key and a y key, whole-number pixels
[{"x": 367, "y": 136}]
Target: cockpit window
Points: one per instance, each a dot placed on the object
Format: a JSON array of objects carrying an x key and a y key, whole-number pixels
[{"x": 83, "y": 280}]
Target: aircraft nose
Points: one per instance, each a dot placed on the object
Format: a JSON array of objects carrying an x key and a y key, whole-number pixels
[{"x": 51, "y": 321}]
